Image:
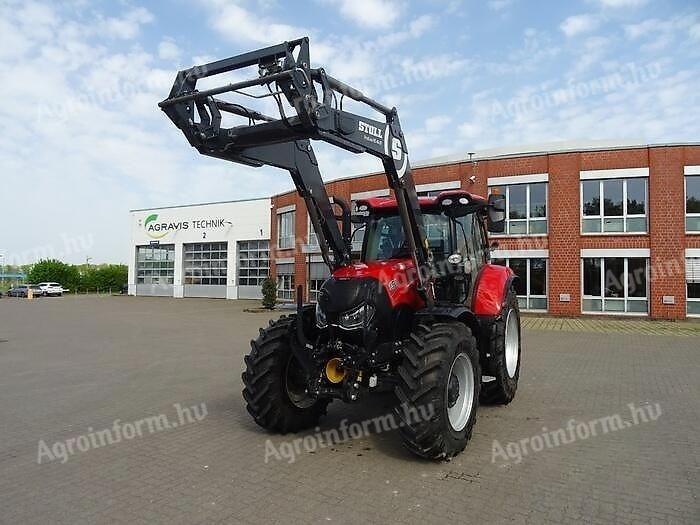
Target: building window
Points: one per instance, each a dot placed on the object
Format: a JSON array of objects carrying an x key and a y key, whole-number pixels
[
  {"x": 285, "y": 229},
  {"x": 311, "y": 234},
  {"x": 253, "y": 262},
  {"x": 614, "y": 205},
  {"x": 318, "y": 273},
  {"x": 285, "y": 281},
  {"x": 526, "y": 208},
  {"x": 429, "y": 193},
  {"x": 205, "y": 263},
  {"x": 155, "y": 264},
  {"x": 692, "y": 278},
  {"x": 615, "y": 285},
  {"x": 531, "y": 287},
  {"x": 692, "y": 203}
]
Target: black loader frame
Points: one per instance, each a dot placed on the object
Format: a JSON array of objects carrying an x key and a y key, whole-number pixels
[{"x": 285, "y": 142}]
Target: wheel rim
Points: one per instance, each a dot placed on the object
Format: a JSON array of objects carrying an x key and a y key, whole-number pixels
[
  {"x": 512, "y": 343},
  {"x": 295, "y": 385},
  {"x": 459, "y": 394}
]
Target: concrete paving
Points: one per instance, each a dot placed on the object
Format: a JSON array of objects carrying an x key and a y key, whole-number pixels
[{"x": 78, "y": 373}]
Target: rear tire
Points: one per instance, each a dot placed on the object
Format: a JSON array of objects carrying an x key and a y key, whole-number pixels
[
  {"x": 274, "y": 382},
  {"x": 505, "y": 350},
  {"x": 438, "y": 389}
]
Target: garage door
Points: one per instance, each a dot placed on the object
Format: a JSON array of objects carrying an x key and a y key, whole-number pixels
[
  {"x": 253, "y": 267},
  {"x": 205, "y": 269}
]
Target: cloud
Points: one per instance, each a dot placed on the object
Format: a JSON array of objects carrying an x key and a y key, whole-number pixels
[
  {"x": 127, "y": 26},
  {"x": 641, "y": 29},
  {"x": 437, "y": 123},
  {"x": 659, "y": 34},
  {"x": 499, "y": 5},
  {"x": 438, "y": 66},
  {"x": 371, "y": 14},
  {"x": 694, "y": 32},
  {"x": 168, "y": 50},
  {"x": 615, "y": 4},
  {"x": 237, "y": 24},
  {"x": 577, "y": 24}
]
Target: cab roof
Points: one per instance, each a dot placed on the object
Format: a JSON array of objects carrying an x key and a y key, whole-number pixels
[{"x": 426, "y": 203}]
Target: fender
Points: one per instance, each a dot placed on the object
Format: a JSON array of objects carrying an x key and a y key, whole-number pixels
[
  {"x": 491, "y": 288},
  {"x": 458, "y": 313}
]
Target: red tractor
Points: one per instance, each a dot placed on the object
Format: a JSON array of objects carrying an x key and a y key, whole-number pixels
[{"x": 420, "y": 312}]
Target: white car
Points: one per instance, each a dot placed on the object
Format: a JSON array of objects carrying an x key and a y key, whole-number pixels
[{"x": 51, "y": 289}]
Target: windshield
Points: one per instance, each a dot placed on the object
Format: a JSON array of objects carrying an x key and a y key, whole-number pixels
[{"x": 386, "y": 239}]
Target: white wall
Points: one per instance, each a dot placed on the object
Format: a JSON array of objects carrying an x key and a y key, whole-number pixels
[{"x": 228, "y": 221}]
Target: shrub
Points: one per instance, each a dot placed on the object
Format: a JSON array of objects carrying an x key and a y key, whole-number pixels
[
  {"x": 105, "y": 277},
  {"x": 269, "y": 292}
]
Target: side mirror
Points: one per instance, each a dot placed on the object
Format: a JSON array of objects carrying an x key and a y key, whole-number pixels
[{"x": 496, "y": 213}]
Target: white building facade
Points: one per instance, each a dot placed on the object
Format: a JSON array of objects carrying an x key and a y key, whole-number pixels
[{"x": 217, "y": 250}]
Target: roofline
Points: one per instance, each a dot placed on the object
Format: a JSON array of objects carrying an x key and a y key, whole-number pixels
[
  {"x": 201, "y": 204},
  {"x": 459, "y": 159}
]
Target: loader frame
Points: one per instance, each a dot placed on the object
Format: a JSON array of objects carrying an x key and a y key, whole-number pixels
[{"x": 285, "y": 141}]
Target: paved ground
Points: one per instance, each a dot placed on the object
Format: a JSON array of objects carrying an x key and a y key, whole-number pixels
[
  {"x": 72, "y": 366},
  {"x": 604, "y": 324}
]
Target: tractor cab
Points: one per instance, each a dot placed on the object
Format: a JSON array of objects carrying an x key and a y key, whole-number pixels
[{"x": 455, "y": 223}]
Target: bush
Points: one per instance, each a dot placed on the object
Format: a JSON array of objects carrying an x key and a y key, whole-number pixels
[
  {"x": 104, "y": 278},
  {"x": 51, "y": 270},
  {"x": 269, "y": 292}
]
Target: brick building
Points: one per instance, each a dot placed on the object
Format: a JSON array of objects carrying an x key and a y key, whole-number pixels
[{"x": 590, "y": 229}]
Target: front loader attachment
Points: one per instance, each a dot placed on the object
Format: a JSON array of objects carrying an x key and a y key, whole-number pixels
[{"x": 286, "y": 83}]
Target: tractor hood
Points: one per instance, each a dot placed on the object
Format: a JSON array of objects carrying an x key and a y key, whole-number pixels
[{"x": 396, "y": 278}]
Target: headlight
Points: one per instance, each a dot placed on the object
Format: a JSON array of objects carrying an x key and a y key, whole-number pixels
[
  {"x": 356, "y": 318},
  {"x": 320, "y": 317}
]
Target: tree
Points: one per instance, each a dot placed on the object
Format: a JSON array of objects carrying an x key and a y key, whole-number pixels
[
  {"x": 269, "y": 292},
  {"x": 52, "y": 270}
]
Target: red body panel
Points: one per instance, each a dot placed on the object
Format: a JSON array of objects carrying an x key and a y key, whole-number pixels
[
  {"x": 398, "y": 277},
  {"x": 491, "y": 289}
]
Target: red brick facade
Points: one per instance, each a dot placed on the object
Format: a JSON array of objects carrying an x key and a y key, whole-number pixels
[{"x": 665, "y": 239}]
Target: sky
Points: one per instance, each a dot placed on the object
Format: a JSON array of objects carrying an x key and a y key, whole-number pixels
[{"x": 82, "y": 140}]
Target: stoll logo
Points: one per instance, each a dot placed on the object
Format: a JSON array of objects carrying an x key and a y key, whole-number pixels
[{"x": 158, "y": 230}]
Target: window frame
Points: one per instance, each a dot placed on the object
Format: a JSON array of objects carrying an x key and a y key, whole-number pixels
[
  {"x": 688, "y": 299},
  {"x": 528, "y": 218},
  {"x": 529, "y": 295},
  {"x": 601, "y": 204},
  {"x": 311, "y": 237},
  {"x": 314, "y": 284},
  {"x": 280, "y": 218},
  {"x": 626, "y": 297},
  {"x": 283, "y": 292},
  {"x": 686, "y": 215}
]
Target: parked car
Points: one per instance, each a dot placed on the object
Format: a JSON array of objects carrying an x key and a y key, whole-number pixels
[
  {"x": 48, "y": 289},
  {"x": 22, "y": 290}
]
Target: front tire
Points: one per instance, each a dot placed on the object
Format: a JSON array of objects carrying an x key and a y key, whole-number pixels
[
  {"x": 274, "y": 382},
  {"x": 505, "y": 350},
  {"x": 438, "y": 389}
]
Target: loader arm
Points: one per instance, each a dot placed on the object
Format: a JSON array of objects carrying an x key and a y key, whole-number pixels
[{"x": 285, "y": 141}]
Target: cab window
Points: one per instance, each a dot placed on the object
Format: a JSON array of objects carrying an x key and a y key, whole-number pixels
[{"x": 386, "y": 239}]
